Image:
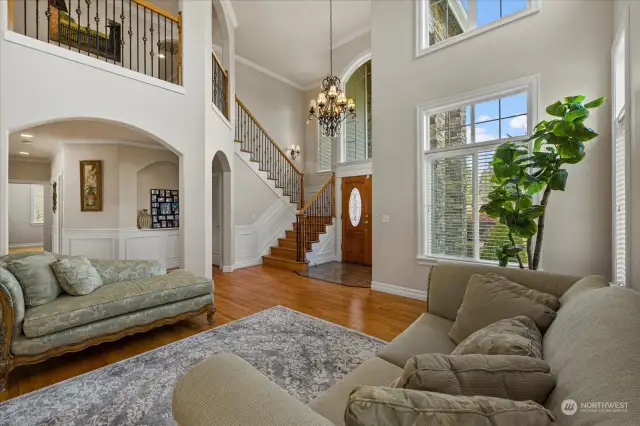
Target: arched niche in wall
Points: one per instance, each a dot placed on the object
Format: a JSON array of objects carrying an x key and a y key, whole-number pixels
[{"x": 158, "y": 175}]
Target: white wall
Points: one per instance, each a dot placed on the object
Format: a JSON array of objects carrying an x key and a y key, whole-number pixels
[
  {"x": 279, "y": 107},
  {"x": 22, "y": 232},
  {"x": 578, "y": 230},
  {"x": 160, "y": 175},
  {"x": 169, "y": 114},
  {"x": 253, "y": 196},
  {"x": 29, "y": 170}
]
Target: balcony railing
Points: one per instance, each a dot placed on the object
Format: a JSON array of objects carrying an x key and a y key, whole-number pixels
[
  {"x": 220, "y": 95},
  {"x": 133, "y": 34}
]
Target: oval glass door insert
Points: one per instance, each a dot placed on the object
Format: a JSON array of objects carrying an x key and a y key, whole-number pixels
[{"x": 355, "y": 207}]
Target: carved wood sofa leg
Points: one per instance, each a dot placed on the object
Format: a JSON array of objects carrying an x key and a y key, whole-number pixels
[
  {"x": 4, "y": 377},
  {"x": 210, "y": 313}
]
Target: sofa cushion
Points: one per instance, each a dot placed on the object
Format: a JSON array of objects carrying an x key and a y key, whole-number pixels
[
  {"x": 373, "y": 406},
  {"x": 11, "y": 287},
  {"x": 513, "y": 336},
  {"x": 592, "y": 347},
  {"x": 374, "y": 371},
  {"x": 428, "y": 334},
  {"x": 519, "y": 378},
  {"x": 33, "y": 272},
  {"x": 117, "y": 271},
  {"x": 113, "y": 300},
  {"x": 76, "y": 275},
  {"x": 490, "y": 298},
  {"x": 37, "y": 345}
]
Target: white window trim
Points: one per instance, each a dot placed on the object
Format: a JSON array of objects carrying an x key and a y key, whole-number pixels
[
  {"x": 34, "y": 222},
  {"x": 621, "y": 122},
  {"x": 530, "y": 84},
  {"x": 422, "y": 26}
]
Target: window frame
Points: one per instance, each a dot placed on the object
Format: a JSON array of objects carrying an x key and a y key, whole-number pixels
[
  {"x": 33, "y": 190},
  {"x": 319, "y": 137},
  {"x": 422, "y": 46},
  {"x": 529, "y": 84}
]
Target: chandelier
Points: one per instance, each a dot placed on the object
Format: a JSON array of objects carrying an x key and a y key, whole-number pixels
[{"x": 332, "y": 106}]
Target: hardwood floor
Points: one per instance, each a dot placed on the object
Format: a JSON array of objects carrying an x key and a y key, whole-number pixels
[
  {"x": 25, "y": 249},
  {"x": 237, "y": 295}
]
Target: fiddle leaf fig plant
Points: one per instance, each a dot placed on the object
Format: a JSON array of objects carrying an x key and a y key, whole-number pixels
[{"x": 521, "y": 171}]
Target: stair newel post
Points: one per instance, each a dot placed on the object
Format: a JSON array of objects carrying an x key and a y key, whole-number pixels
[
  {"x": 300, "y": 239},
  {"x": 301, "y": 190},
  {"x": 333, "y": 195}
]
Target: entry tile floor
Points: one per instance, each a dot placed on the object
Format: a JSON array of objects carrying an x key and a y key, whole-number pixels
[{"x": 349, "y": 274}]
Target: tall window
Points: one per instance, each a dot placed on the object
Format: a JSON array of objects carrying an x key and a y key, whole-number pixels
[
  {"x": 440, "y": 20},
  {"x": 37, "y": 204},
  {"x": 357, "y": 132},
  {"x": 324, "y": 151},
  {"x": 620, "y": 167},
  {"x": 458, "y": 142}
]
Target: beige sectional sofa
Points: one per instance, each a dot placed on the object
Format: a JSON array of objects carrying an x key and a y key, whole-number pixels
[
  {"x": 135, "y": 296},
  {"x": 593, "y": 347}
]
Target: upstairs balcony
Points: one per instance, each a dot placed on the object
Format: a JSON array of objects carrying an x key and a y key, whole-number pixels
[{"x": 134, "y": 34}]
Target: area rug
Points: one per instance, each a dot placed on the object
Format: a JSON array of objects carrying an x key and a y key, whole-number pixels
[{"x": 302, "y": 354}]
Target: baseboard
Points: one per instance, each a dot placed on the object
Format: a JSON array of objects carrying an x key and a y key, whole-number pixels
[
  {"x": 247, "y": 263},
  {"x": 227, "y": 268},
  {"x": 399, "y": 291},
  {"x": 323, "y": 261},
  {"x": 26, "y": 245}
]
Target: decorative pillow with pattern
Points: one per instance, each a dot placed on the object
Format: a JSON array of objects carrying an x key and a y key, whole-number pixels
[
  {"x": 36, "y": 278},
  {"x": 513, "y": 336},
  {"x": 76, "y": 275},
  {"x": 515, "y": 377},
  {"x": 374, "y": 406},
  {"x": 490, "y": 297}
]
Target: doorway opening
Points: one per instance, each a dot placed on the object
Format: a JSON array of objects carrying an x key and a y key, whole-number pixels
[{"x": 221, "y": 212}]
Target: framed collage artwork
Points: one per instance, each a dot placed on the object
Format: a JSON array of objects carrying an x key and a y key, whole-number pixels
[{"x": 165, "y": 208}]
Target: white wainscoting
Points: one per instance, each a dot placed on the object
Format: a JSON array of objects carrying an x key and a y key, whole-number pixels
[
  {"x": 253, "y": 241},
  {"x": 324, "y": 251},
  {"x": 124, "y": 244}
]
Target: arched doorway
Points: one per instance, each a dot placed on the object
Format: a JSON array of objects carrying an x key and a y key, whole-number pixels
[{"x": 221, "y": 212}]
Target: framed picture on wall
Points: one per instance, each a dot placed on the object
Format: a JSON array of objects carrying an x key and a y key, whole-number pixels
[
  {"x": 165, "y": 208},
  {"x": 91, "y": 186}
]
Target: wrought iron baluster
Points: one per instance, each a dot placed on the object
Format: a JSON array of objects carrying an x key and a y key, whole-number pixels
[
  {"x": 106, "y": 29},
  {"x": 97, "y": 21},
  {"x": 121, "y": 32},
  {"x": 144, "y": 39},
  {"x": 158, "y": 43},
  {"x": 37, "y": 18},
  {"x": 130, "y": 38},
  {"x": 48, "y": 15},
  {"x": 114, "y": 27},
  {"x": 172, "y": 50},
  {"x": 25, "y": 18},
  {"x": 165, "y": 50},
  {"x": 151, "y": 54},
  {"x": 79, "y": 13},
  {"x": 137, "y": 37},
  {"x": 88, "y": 27}
]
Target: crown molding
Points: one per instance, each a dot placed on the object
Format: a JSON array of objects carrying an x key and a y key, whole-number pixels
[
  {"x": 29, "y": 160},
  {"x": 268, "y": 72}
]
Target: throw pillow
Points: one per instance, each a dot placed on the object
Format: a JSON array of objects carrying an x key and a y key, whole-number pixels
[
  {"x": 519, "y": 378},
  {"x": 489, "y": 298},
  {"x": 76, "y": 275},
  {"x": 36, "y": 278},
  {"x": 513, "y": 336},
  {"x": 374, "y": 406}
]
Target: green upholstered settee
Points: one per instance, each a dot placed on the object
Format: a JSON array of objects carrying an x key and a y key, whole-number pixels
[{"x": 135, "y": 296}]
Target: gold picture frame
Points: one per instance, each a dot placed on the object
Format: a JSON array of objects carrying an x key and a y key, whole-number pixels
[{"x": 91, "y": 186}]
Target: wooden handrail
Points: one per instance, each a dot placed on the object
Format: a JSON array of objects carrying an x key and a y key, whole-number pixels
[
  {"x": 219, "y": 63},
  {"x": 157, "y": 9},
  {"x": 243, "y": 106},
  {"x": 10, "y": 12},
  {"x": 308, "y": 204}
]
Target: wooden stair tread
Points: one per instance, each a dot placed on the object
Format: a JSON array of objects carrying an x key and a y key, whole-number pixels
[{"x": 279, "y": 262}]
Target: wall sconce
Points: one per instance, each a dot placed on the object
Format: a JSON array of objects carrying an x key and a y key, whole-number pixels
[{"x": 295, "y": 151}]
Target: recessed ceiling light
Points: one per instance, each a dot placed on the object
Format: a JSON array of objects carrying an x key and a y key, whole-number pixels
[
  {"x": 161, "y": 55},
  {"x": 26, "y": 135},
  {"x": 23, "y": 153}
]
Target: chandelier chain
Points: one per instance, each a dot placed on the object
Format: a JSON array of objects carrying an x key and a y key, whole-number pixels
[{"x": 330, "y": 37}]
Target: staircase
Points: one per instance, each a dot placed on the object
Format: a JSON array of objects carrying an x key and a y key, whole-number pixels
[{"x": 312, "y": 218}]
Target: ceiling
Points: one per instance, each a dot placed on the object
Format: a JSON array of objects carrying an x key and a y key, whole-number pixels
[
  {"x": 46, "y": 138},
  {"x": 291, "y": 37}
]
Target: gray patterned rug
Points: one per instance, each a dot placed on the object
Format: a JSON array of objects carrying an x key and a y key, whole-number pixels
[{"x": 302, "y": 354}]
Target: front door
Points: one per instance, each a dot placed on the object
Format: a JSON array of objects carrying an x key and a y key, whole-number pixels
[{"x": 356, "y": 219}]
